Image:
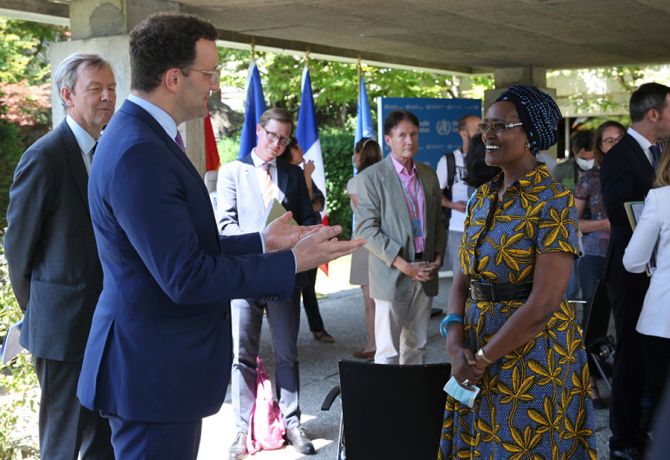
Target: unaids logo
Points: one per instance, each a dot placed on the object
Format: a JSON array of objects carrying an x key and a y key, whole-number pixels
[{"x": 443, "y": 127}]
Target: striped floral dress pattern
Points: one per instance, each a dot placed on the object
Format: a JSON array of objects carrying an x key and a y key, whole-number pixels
[{"x": 535, "y": 402}]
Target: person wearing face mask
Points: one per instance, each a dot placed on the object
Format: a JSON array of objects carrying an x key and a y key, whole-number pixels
[
  {"x": 568, "y": 173},
  {"x": 596, "y": 231},
  {"x": 510, "y": 330}
]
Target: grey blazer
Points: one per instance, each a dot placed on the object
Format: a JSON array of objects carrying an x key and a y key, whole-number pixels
[
  {"x": 240, "y": 204},
  {"x": 383, "y": 220},
  {"x": 50, "y": 247}
]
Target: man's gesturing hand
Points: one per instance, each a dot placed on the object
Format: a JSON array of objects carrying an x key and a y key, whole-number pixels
[
  {"x": 283, "y": 234},
  {"x": 321, "y": 246}
]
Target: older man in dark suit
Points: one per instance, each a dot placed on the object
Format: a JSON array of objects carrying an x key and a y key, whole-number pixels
[
  {"x": 53, "y": 261},
  {"x": 245, "y": 189},
  {"x": 627, "y": 174}
]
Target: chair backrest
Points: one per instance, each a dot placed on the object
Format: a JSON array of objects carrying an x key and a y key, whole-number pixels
[
  {"x": 392, "y": 411},
  {"x": 597, "y": 314},
  {"x": 210, "y": 180}
]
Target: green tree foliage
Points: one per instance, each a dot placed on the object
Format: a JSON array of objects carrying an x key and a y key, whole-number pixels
[
  {"x": 335, "y": 83},
  {"x": 337, "y": 148},
  {"x": 335, "y": 89},
  {"x": 11, "y": 151},
  {"x": 18, "y": 385},
  {"x": 23, "y": 50}
]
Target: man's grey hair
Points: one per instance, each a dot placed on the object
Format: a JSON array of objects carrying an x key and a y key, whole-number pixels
[{"x": 67, "y": 72}]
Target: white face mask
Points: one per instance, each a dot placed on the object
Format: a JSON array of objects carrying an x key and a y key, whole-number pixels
[{"x": 585, "y": 164}]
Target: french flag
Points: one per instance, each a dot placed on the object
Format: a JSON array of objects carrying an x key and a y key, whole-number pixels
[
  {"x": 364, "y": 126},
  {"x": 254, "y": 106},
  {"x": 307, "y": 135}
]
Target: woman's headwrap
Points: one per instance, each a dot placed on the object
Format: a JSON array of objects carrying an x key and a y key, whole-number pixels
[{"x": 538, "y": 112}]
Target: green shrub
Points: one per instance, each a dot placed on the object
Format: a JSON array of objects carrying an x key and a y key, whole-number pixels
[
  {"x": 10, "y": 152},
  {"x": 228, "y": 148},
  {"x": 18, "y": 385},
  {"x": 337, "y": 146}
]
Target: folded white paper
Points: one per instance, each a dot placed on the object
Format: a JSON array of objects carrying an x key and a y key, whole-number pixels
[
  {"x": 11, "y": 346},
  {"x": 461, "y": 394}
]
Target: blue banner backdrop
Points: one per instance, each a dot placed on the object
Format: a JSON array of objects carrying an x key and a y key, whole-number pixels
[{"x": 438, "y": 123}]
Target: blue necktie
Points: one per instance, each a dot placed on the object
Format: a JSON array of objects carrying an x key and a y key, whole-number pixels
[{"x": 655, "y": 151}]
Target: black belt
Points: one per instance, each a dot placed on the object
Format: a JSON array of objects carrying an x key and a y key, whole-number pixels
[{"x": 498, "y": 292}]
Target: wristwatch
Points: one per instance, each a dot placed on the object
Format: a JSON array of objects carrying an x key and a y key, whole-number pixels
[{"x": 480, "y": 354}]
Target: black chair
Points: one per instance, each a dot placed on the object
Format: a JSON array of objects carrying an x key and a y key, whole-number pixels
[
  {"x": 599, "y": 346},
  {"x": 390, "y": 411}
]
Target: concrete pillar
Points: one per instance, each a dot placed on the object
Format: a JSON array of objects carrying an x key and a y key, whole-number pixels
[
  {"x": 506, "y": 77},
  {"x": 102, "y": 26}
]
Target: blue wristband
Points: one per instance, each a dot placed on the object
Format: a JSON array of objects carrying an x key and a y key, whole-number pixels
[{"x": 450, "y": 318}]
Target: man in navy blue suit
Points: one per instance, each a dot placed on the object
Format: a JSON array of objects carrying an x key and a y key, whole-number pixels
[
  {"x": 627, "y": 174},
  {"x": 245, "y": 188},
  {"x": 159, "y": 352}
]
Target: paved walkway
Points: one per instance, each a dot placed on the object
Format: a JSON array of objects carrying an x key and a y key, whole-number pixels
[{"x": 342, "y": 311}]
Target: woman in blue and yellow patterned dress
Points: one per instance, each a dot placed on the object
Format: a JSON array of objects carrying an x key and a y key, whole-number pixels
[{"x": 510, "y": 330}]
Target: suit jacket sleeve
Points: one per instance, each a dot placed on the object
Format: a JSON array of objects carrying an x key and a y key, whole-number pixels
[
  {"x": 30, "y": 197},
  {"x": 641, "y": 245},
  {"x": 156, "y": 217},
  {"x": 369, "y": 221},
  {"x": 226, "y": 199}
]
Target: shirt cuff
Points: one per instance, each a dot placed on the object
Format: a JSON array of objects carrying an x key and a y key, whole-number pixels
[{"x": 295, "y": 259}]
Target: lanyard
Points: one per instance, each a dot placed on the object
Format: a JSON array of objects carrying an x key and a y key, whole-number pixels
[{"x": 412, "y": 201}]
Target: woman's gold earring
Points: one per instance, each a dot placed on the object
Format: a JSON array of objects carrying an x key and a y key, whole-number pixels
[{"x": 526, "y": 145}]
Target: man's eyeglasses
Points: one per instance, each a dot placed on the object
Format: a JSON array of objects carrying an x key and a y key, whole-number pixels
[
  {"x": 214, "y": 75},
  {"x": 611, "y": 140},
  {"x": 496, "y": 126},
  {"x": 274, "y": 137}
]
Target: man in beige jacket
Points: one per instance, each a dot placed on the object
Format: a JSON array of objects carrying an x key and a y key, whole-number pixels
[{"x": 400, "y": 216}]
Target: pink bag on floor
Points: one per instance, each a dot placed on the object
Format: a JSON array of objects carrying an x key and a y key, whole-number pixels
[{"x": 266, "y": 424}]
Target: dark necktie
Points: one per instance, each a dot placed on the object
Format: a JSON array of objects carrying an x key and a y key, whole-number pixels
[
  {"x": 92, "y": 152},
  {"x": 655, "y": 151},
  {"x": 180, "y": 142},
  {"x": 88, "y": 161}
]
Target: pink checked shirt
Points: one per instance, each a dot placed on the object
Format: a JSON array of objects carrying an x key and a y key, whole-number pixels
[{"x": 414, "y": 191}]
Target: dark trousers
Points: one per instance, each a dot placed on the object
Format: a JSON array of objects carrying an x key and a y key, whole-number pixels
[
  {"x": 660, "y": 446},
  {"x": 66, "y": 428},
  {"x": 155, "y": 441},
  {"x": 590, "y": 270},
  {"x": 657, "y": 355},
  {"x": 247, "y": 321},
  {"x": 627, "y": 293},
  {"x": 310, "y": 303}
]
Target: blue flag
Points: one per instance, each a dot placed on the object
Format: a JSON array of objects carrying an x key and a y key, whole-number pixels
[
  {"x": 364, "y": 126},
  {"x": 307, "y": 134},
  {"x": 254, "y": 106}
]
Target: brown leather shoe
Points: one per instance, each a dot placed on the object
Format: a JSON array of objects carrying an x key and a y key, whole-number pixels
[
  {"x": 362, "y": 354},
  {"x": 323, "y": 336}
]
